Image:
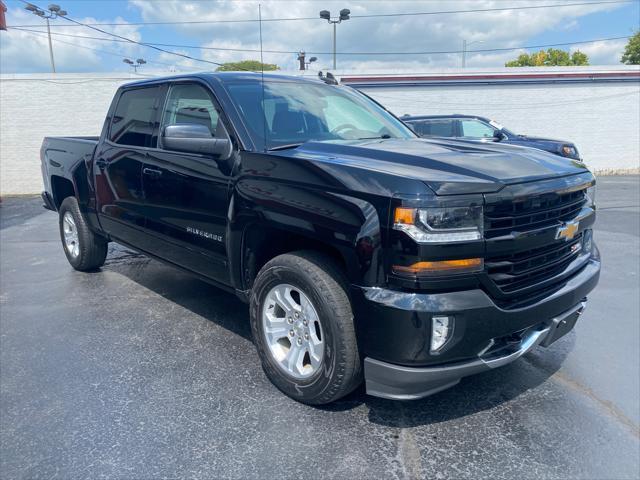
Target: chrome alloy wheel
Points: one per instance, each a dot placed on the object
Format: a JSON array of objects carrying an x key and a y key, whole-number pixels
[
  {"x": 70, "y": 231},
  {"x": 293, "y": 331}
]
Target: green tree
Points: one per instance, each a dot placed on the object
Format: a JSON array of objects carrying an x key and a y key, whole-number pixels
[
  {"x": 247, "y": 65},
  {"x": 579, "y": 58},
  {"x": 549, "y": 58},
  {"x": 631, "y": 55}
]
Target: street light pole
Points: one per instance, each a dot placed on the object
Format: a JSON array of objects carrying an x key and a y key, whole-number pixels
[
  {"x": 54, "y": 11},
  {"x": 344, "y": 15},
  {"x": 464, "y": 53},
  {"x": 53, "y": 64},
  {"x": 334, "y": 45}
]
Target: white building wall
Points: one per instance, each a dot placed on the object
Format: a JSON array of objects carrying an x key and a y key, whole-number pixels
[
  {"x": 603, "y": 119},
  {"x": 35, "y": 106}
]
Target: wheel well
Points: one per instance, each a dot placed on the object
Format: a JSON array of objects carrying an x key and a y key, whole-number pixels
[
  {"x": 262, "y": 245},
  {"x": 61, "y": 188}
]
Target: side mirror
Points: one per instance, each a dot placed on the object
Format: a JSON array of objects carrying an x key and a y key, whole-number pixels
[
  {"x": 498, "y": 135},
  {"x": 195, "y": 138}
]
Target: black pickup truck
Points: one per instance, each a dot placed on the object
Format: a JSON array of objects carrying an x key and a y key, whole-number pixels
[{"x": 364, "y": 251}]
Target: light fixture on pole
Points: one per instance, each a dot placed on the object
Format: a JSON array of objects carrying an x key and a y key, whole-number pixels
[
  {"x": 54, "y": 11},
  {"x": 344, "y": 15},
  {"x": 138, "y": 63},
  {"x": 311, "y": 60},
  {"x": 302, "y": 59},
  {"x": 465, "y": 45}
]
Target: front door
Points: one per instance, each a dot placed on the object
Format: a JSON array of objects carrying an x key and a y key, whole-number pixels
[
  {"x": 187, "y": 194},
  {"x": 119, "y": 162}
]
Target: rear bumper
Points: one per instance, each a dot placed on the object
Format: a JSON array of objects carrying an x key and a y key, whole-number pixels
[{"x": 394, "y": 332}]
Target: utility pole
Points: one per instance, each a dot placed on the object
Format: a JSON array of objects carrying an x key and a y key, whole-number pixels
[
  {"x": 465, "y": 45},
  {"x": 464, "y": 53},
  {"x": 344, "y": 15},
  {"x": 54, "y": 11}
]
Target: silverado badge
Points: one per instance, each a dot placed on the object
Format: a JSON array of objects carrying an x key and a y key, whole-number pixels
[{"x": 568, "y": 230}]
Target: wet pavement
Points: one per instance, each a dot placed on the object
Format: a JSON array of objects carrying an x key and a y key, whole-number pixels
[{"x": 141, "y": 371}]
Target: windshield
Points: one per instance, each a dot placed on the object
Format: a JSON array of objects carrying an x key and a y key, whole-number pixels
[{"x": 297, "y": 112}]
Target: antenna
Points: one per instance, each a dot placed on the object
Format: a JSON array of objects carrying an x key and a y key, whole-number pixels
[{"x": 264, "y": 117}]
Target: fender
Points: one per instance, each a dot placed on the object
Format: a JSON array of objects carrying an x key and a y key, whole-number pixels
[
  {"x": 268, "y": 215},
  {"x": 83, "y": 185}
]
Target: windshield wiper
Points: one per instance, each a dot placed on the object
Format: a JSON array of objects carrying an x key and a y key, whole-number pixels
[
  {"x": 384, "y": 136},
  {"x": 285, "y": 147}
]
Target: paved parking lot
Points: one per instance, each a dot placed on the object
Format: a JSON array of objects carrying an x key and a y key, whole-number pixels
[{"x": 140, "y": 371}]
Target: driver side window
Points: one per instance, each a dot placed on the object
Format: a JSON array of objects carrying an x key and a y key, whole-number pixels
[
  {"x": 190, "y": 103},
  {"x": 476, "y": 129}
]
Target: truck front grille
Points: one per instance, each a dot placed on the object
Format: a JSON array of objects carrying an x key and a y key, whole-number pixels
[
  {"x": 521, "y": 269},
  {"x": 511, "y": 273},
  {"x": 532, "y": 213}
]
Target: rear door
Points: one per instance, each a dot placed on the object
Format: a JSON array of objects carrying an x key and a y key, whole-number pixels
[
  {"x": 187, "y": 193},
  {"x": 119, "y": 161}
]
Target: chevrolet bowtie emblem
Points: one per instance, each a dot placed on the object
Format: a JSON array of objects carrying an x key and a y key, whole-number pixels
[{"x": 568, "y": 230}]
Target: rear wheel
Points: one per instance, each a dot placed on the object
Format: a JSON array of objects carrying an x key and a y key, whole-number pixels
[
  {"x": 303, "y": 328},
  {"x": 84, "y": 249}
]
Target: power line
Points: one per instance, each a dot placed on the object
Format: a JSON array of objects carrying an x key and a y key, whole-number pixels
[
  {"x": 432, "y": 52},
  {"x": 225, "y": 49},
  {"x": 130, "y": 40},
  {"x": 106, "y": 52},
  {"x": 374, "y": 15}
]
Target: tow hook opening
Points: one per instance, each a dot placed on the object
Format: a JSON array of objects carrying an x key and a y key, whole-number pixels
[{"x": 508, "y": 344}]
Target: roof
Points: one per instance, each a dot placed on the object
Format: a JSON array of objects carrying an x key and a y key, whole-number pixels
[
  {"x": 434, "y": 117},
  {"x": 506, "y": 75},
  {"x": 225, "y": 77}
]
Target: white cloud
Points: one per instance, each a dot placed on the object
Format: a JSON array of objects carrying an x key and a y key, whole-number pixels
[
  {"x": 603, "y": 53},
  {"x": 22, "y": 52},
  {"x": 406, "y": 33}
]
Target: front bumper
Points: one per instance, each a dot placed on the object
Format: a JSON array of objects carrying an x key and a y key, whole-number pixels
[
  {"x": 394, "y": 333},
  {"x": 405, "y": 383}
]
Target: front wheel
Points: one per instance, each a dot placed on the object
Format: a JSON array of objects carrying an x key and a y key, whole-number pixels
[
  {"x": 84, "y": 249},
  {"x": 302, "y": 325}
]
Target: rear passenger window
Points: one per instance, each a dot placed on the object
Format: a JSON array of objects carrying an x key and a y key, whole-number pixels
[
  {"x": 133, "y": 120},
  {"x": 435, "y": 128}
]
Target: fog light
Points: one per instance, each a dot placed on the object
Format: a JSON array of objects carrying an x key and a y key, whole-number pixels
[
  {"x": 441, "y": 329},
  {"x": 587, "y": 241}
]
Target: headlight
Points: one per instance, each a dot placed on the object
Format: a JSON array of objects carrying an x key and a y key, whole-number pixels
[
  {"x": 569, "y": 151},
  {"x": 440, "y": 224},
  {"x": 591, "y": 196}
]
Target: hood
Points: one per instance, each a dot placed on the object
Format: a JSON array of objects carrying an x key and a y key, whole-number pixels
[
  {"x": 447, "y": 167},
  {"x": 546, "y": 140}
]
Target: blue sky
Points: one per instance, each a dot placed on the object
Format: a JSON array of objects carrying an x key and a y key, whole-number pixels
[{"x": 22, "y": 51}]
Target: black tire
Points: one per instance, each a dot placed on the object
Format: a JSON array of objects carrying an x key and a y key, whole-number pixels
[
  {"x": 322, "y": 282},
  {"x": 92, "y": 250}
]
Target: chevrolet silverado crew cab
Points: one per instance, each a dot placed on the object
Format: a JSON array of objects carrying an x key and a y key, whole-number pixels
[{"x": 364, "y": 252}]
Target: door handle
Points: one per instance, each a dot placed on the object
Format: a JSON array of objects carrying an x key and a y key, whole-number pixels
[{"x": 151, "y": 172}]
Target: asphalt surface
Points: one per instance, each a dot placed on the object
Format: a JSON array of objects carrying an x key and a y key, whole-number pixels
[{"x": 139, "y": 371}]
